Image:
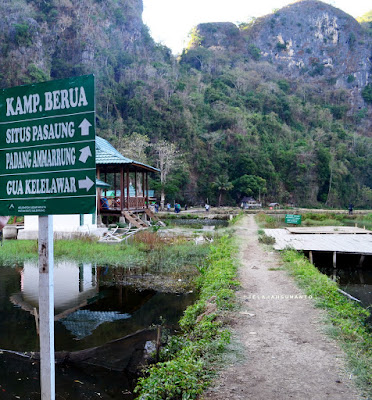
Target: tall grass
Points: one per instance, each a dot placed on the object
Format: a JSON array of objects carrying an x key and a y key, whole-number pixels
[{"x": 145, "y": 251}]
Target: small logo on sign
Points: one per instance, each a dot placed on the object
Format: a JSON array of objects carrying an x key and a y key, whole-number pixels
[{"x": 11, "y": 207}]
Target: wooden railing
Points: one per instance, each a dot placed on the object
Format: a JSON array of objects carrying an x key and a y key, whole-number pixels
[{"x": 135, "y": 203}]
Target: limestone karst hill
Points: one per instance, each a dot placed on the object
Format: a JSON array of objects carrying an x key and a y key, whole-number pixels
[{"x": 280, "y": 106}]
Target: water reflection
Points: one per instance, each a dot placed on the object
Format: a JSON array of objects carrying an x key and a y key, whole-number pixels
[
  {"x": 82, "y": 323},
  {"x": 352, "y": 277},
  {"x": 93, "y": 305},
  {"x": 95, "y": 309},
  {"x": 353, "y": 280},
  {"x": 74, "y": 285}
]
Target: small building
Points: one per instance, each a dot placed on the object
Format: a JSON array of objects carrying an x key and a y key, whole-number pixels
[
  {"x": 128, "y": 180},
  {"x": 249, "y": 202},
  {"x": 125, "y": 179}
]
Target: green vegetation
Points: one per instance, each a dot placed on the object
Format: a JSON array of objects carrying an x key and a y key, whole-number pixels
[
  {"x": 281, "y": 46},
  {"x": 147, "y": 251},
  {"x": 367, "y": 93},
  {"x": 366, "y": 21},
  {"x": 23, "y": 34},
  {"x": 326, "y": 219},
  {"x": 254, "y": 52},
  {"x": 347, "y": 318},
  {"x": 263, "y": 238},
  {"x": 186, "y": 362},
  {"x": 317, "y": 219},
  {"x": 269, "y": 221}
]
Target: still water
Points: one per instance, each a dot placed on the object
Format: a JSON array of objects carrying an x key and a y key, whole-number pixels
[
  {"x": 198, "y": 222},
  {"x": 92, "y": 307},
  {"x": 352, "y": 277}
]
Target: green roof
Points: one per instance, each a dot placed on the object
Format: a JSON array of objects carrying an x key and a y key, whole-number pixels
[
  {"x": 102, "y": 184},
  {"x": 107, "y": 154},
  {"x": 132, "y": 192}
]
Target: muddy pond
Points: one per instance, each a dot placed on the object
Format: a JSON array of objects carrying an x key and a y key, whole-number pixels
[{"x": 101, "y": 330}]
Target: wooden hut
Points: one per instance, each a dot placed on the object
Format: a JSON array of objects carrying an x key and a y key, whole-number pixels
[{"x": 128, "y": 180}]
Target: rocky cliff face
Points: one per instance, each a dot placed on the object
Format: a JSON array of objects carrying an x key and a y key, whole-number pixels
[
  {"x": 316, "y": 41},
  {"x": 66, "y": 37},
  {"x": 308, "y": 40}
]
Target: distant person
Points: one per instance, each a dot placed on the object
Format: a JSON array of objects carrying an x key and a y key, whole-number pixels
[
  {"x": 168, "y": 207},
  {"x": 156, "y": 208},
  {"x": 351, "y": 206},
  {"x": 104, "y": 203},
  {"x": 206, "y": 207},
  {"x": 185, "y": 207}
]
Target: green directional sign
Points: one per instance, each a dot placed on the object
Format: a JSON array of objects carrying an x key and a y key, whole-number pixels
[
  {"x": 293, "y": 219},
  {"x": 47, "y": 148}
]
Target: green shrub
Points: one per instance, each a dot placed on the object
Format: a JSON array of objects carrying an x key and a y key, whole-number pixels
[
  {"x": 187, "y": 360},
  {"x": 23, "y": 34},
  {"x": 266, "y": 239},
  {"x": 367, "y": 93},
  {"x": 281, "y": 46}
]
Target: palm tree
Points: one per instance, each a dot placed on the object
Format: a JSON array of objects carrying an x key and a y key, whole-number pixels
[{"x": 223, "y": 185}]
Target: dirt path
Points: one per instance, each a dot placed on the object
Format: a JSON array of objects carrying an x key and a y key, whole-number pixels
[{"x": 284, "y": 353}]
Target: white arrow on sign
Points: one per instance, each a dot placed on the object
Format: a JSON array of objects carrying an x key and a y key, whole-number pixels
[
  {"x": 85, "y": 183},
  {"x": 85, "y": 153},
  {"x": 84, "y": 127}
]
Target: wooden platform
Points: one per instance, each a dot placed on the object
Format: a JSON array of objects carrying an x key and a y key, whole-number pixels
[
  {"x": 329, "y": 230},
  {"x": 339, "y": 241}
]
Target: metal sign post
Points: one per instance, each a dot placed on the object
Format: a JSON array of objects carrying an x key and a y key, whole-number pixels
[
  {"x": 48, "y": 166},
  {"x": 46, "y": 307}
]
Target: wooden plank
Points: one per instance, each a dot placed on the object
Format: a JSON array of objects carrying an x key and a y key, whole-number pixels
[
  {"x": 329, "y": 230},
  {"x": 345, "y": 243},
  {"x": 151, "y": 214},
  {"x": 137, "y": 222}
]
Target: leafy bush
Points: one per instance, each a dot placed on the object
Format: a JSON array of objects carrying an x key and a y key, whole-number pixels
[
  {"x": 266, "y": 239},
  {"x": 23, "y": 34},
  {"x": 281, "y": 46},
  {"x": 367, "y": 93},
  {"x": 254, "y": 52}
]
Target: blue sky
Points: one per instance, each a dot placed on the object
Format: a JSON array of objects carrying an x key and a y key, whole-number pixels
[{"x": 170, "y": 21}]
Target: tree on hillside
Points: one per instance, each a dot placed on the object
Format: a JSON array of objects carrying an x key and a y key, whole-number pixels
[
  {"x": 134, "y": 146},
  {"x": 223, "y": 185},
  {"x": 250, "y": 185},
  {"x": 168, "y": 158}
]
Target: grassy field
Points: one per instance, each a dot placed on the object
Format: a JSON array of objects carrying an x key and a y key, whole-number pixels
[{"x": 317, "y": 219}]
